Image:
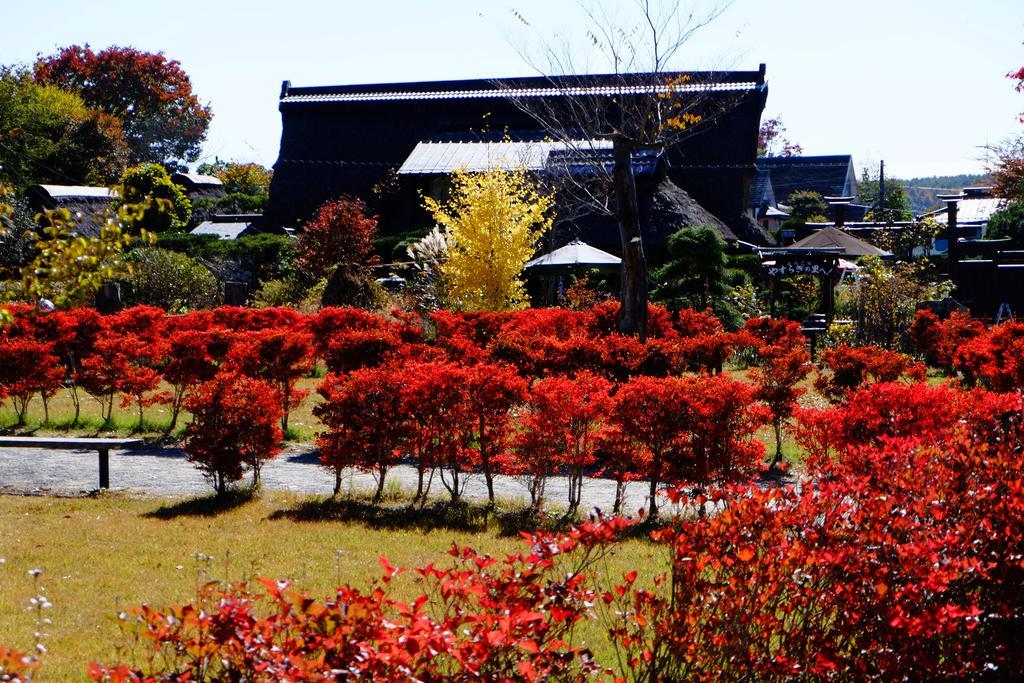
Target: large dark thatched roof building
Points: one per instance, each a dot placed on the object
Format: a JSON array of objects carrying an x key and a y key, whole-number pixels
[{"x": 386, "y": 143}]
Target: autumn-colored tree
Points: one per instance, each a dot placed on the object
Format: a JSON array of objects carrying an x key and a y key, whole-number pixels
[
  {"x": 653, "y": 412},
  {"x": 164, "y": 122},
  {"x": 492, "y": 392},
  {"x": 245, "y": 178},
  {"x": 28, "y": 366},
  {"x": 771, "y": 143},
  {"x": 722, "y": 417},
  {"x": 784, "y": 360},
  {"x": 193, "y": 357},
  {"x": 434, "y": 399},
  {"x": 279, "y": 357},
  {"x": 622, "y": 459},
  {"x": 850, "y": 367},
  {"x": 235, "y": 426},
  {"x": 559, "y": 431},
  {"x": 140, "y": 381},
  {"x": 341, "y": 233},
  {"x": 493, "y": 222},
  {"x": 52, "y": 136},
  {"x": 366, "y": 420}
]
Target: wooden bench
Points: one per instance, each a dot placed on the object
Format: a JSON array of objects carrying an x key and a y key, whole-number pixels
[{"x": 101, "y": 446}]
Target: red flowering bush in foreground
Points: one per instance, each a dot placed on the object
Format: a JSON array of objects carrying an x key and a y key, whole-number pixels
[{"x": 480, "y": 618}]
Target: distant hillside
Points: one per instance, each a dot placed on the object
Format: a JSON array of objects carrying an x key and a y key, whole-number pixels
[{"x": 922, "y": 191}]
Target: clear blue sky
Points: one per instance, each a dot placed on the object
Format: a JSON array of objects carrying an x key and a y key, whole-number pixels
[{"x": 917, "y": 83}]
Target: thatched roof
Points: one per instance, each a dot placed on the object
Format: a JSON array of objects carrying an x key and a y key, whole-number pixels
[{"x": 671, "y": 208}]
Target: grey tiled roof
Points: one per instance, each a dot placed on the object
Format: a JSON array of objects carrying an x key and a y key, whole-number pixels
[
  {"x": 498, "y": 92},
  {"x": 225, "y": 231}
]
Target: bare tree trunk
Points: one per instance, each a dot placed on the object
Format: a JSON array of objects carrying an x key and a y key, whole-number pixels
[{"x": 633, "y": 313}]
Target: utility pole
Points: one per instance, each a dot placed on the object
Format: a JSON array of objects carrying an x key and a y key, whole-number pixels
[{"x": 881, "y": 185}]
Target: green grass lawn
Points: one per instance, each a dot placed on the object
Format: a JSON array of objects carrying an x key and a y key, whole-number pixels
[{"x": 101, "y": 555}]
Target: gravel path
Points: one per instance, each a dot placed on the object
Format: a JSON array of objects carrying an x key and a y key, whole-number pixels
[{"x": 165, "y": 472}]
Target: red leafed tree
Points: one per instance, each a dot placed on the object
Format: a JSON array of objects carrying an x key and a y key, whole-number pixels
[
  {"x": 163, "y": 120},
  {"x": 854, "y": 366},
  {"x": 234, "y": 427},
  {"x": 72, "y": 333},
  {"x": 100, "y": 374},
  {"x": 723, "y": 415},
  {"x": 492, "y": 392},
  {"x": 26, "y": 367},
  {"x": 340, "y": 232},
  {"x": 938, "y": 340},
  {"x": 653, "y": 412},
  {"x": 559, "y": 431},
  {"x": 367, "y": 426},
  {"x": 434, "y": 400},
  {"x": 193, "y": 357},
  {"x": 279, "y": 357},
  {"x": 139, "y": 382},
  {"x": 783, "y": 362},
  {"x": 622, "y": 459}
]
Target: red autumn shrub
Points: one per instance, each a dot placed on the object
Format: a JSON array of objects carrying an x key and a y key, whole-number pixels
[
  {"x": 341, "y": 232},
  {"x": 234, "y": 428},
  {"x": 883, "y": 411},
  {"x": 193, "y": 356},
  {"x": 652, "y": 412},
  {"x": 559, "y": 432},
  {"x": 360, "y": 348},
  {"x": 27, "y": 367},
  {"x": 139, "y": 382},
  {"x": 622, "y": 459},
  {"x": 851, "y": 367},
  {"x": 723, "y": 415},
  {"x": 938, "y": 340},
  {"x": 492, "y": 392},
  {"x": 606, "y": 319},
  {"x": 777, "y": 378},
  {"x": 765, "y": 334},
  {"x": 434, "y": 400},
  {"x": 480, "y": 618},
  {"x": 278, "y": 356},
  {"x": 782, "y": 584},
  {"x": 366, "y": 420},
  {"x": 994, "y": 359}
]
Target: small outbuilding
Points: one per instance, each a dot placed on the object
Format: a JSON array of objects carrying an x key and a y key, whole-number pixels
[
  {"x": 87, "y": 204},
  {"x": 844, "y": 243},
  {"x": 199, "y": 186},
  {"x": 228, "y": 227}
]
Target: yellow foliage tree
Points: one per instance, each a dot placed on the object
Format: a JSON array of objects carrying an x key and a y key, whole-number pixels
[{"x": 493, "y": 222}]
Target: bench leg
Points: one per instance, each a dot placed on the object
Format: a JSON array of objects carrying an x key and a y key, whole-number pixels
[{"x": 104, "y": 468}]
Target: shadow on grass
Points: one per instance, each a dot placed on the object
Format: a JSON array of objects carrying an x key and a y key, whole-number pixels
[
  {"x": 204, "y": 506},
  {"x": 438, "y": 515}
]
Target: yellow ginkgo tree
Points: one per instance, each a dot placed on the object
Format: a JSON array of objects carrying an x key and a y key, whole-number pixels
[{"x": 493, "y": 222}]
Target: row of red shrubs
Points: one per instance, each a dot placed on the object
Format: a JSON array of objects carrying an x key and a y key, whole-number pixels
[
  {"x": 530, "y": 393},
  {"x": 902, "y": 561}
]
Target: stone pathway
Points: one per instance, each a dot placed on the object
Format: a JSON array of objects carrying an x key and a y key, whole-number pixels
[{"x": 165, "y": 472}]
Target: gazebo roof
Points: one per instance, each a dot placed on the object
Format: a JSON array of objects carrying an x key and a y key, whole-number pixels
[
  {"x": 834, "y": 238},
  {"x": 576, "y": 253}
]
